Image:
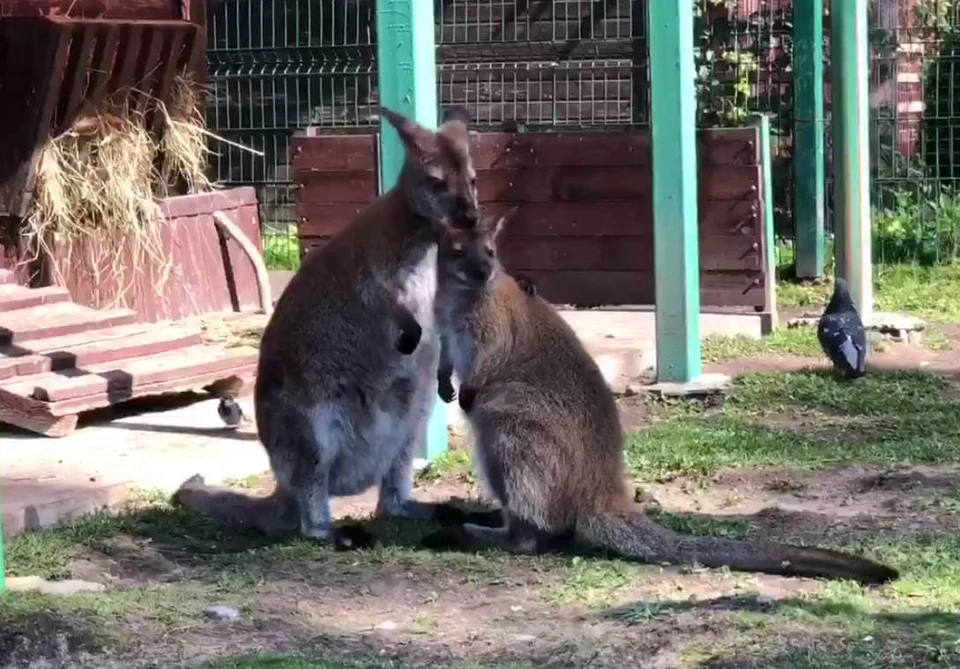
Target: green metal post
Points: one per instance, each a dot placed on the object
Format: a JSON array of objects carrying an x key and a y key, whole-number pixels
[
  {"x": 407, "y": 75},
  {"x": 851, "y": 150},
  {"x": 808, "y": 162},
  {"x": 674, "y": 167},
  {"x": 762, "y": 122}
]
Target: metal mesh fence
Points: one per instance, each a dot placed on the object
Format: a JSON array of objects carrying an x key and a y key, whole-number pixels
[
  {"x": 280, "y": 65},
  {"x": 276, "y": 66}
]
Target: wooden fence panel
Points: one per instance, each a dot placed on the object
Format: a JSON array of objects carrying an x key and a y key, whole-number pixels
[{"x": 584, "y": 228}]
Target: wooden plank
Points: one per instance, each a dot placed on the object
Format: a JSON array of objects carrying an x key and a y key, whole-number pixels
[
  {"x": 77, "y": 77},
  {"x": 172, "y": 50},
  {"x": 333, "y": 153},
  {"x": 552, "y": 184},
  {"x": 565, "y": 219},
  {"x": 76, "y": 339},
  {"x": 160, "y": 340},
  {"x": 103, "y": 64},
  {"x": 619, "y": 253},
  {"x": 324, "y": 220},
  {"x": 237, "y": 378},
  {"x": 111, "y": 9},
  {"x": 117, "y": 379},
  {"x": 58, "y": 319},
  {"x": 14, "y": 297},
  {"x": 494, "y": 150},
  {"x": 34, "y": 416},
  {"x": 356, "y": 186},
  {"x": 149, "y": 69},
  {"x": 605, "y": 288}
]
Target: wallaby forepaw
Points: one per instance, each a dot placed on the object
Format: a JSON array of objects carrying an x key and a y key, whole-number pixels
[
  {"x": 467, "y": 397},
  {"x": 527, "y": 285},
  {"x": 446, "y": 391},
  {"x": 353, "y": 537},
  {"x": 409, "y": 338},
  {"x": 447, "y": 538}
]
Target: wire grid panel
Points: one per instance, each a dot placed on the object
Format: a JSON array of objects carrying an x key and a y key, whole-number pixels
[
  {"x": 573, "y": 63},
  {"x": 276, "y": 66},
  {"x": 915, "y": 131}
]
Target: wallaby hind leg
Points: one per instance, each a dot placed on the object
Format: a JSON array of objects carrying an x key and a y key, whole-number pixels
[
  {"x": 515, "y": 536},
  {"x": 300, "y": 449}
]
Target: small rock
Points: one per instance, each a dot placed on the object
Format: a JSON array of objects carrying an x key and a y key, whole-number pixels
[
  {"x": 387, "y": 625},
  {"x": 221, "y": 612},
  {"x": 524, "y": 638}
]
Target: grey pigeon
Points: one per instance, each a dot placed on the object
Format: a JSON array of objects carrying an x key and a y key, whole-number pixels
[
  {"x": 230, "y": 412},
  {"x": 841, "y": 333}
]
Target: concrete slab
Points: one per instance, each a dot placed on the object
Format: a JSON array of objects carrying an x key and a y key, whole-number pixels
[
  {"x": 702, "y": 386},
  {"x": 46, "y": 481}
]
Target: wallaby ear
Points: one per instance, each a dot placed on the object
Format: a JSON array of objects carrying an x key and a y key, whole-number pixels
[
  {"x": 501, "y": 223},
  {"x": 457, "y": 113},
  {"x": 412, "y": 134}
]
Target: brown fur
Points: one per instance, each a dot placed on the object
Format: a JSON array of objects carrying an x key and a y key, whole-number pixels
[
  {"x": 347, "y": 372},
  {"x": 548, "y": 438}
]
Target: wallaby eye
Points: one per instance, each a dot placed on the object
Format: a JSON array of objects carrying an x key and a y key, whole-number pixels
[
  {"x": 436, "y": 183},
  {"x": 473, "y": 182},
  {"x": 489, "y": 250}
]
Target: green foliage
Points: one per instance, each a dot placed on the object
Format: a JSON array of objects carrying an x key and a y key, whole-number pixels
[{"x": 918, "y": 229}]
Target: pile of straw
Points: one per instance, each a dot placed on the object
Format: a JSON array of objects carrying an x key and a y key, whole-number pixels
[{"x": 102, "y": 180}]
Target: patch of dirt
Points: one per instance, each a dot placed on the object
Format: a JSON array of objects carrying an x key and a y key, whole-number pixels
[
  {"x": 47, "y": 640},
  {"x": 849, "y": 500}
]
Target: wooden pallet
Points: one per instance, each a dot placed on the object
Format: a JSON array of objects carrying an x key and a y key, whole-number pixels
[{"x": 59, "y": 359}]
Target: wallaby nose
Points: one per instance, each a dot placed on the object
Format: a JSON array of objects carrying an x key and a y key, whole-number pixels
[{"x": 469, "y": 215}]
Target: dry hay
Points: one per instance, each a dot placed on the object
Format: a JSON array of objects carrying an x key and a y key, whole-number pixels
[{"x": 97, "y": 192}]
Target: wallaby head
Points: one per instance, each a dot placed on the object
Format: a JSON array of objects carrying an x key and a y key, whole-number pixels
[
  {"x": 467, "y": 257},
  {"x": 438, "y": 179}
]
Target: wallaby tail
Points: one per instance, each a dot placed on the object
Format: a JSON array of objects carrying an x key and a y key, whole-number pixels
[
  {"x": 634, "y": 536},
  {"x": 274, "y": 514}
]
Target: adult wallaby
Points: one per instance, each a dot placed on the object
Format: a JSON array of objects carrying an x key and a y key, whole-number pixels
[
  {"x": 347, "y": 373},
  {"x": 548, "y": 439}
]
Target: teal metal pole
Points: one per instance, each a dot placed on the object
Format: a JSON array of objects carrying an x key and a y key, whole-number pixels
[
  {"x": 808, "y": 162},
  {"x": 762, "y": 122},
  {"x": 407, "y": 76},
  {"x": 851, "y": 150},
  {"x": 674, "y": 171}
]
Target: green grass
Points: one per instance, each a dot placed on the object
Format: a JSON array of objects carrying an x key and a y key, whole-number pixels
[
  {"x": 281, "y": 250},
  {"x": 932, "y": 293},
  {"x": 809, "y": 419},
  {"x": 801, "y": 342}
]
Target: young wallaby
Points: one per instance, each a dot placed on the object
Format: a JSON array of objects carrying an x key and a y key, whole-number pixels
[
  {"x": 548, "y": 439},
  {"x": 342, "y": 400}
]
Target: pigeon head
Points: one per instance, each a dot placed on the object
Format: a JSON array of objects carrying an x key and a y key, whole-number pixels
[{"x": 841, "y": 300}]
